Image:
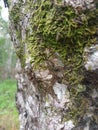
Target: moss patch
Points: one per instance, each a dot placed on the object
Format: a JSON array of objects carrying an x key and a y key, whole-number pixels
[
  {"x": 61, "y": 30},
  {"x": 66, "y": 32}
]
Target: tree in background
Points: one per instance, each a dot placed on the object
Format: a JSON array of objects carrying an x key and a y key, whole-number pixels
[
  {"x": 56, "y": 43},
  {"x": 7, "y": 55}
]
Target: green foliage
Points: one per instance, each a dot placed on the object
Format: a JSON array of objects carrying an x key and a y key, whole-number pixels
[
  {"x": 3, "y": 32},
  {"x": 8, "y": 112},
  {"x": 3, "y": 24},
  {"x": 7, "y": 56},
  {"x": 7, "y": 96},
  {"x": 3, "y": 54}
]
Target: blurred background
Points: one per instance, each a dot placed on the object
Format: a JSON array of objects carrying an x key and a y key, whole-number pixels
[{"x": 8, "y": 112}]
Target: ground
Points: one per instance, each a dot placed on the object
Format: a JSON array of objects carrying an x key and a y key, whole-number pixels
[{"x": 8, "y": 112}]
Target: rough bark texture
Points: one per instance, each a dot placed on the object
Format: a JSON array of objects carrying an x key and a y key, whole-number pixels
[{"x": 42, "y": 99}]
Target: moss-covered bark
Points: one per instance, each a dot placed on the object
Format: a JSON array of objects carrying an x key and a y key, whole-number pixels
[{"x": 50, "y": 38}]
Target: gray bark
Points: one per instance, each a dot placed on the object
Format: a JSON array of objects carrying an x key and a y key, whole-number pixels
[{"x": 41, "y": 99}]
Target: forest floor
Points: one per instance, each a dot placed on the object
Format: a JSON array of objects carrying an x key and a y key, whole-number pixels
[{"x": 8, "y": 112}]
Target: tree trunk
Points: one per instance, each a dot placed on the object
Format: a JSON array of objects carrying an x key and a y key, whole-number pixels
[{"x": 57, "y": 82}]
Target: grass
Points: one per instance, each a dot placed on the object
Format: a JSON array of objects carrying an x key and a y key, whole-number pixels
[{"x": 8, "y": 112}]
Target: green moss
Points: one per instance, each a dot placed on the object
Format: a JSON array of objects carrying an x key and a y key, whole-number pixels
[
  {"x": 14, "y": 14},
  {"x": 64, "y": 31}
]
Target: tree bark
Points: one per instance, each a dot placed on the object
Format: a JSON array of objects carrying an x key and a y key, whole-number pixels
[{"x": 44, "y": 98}]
